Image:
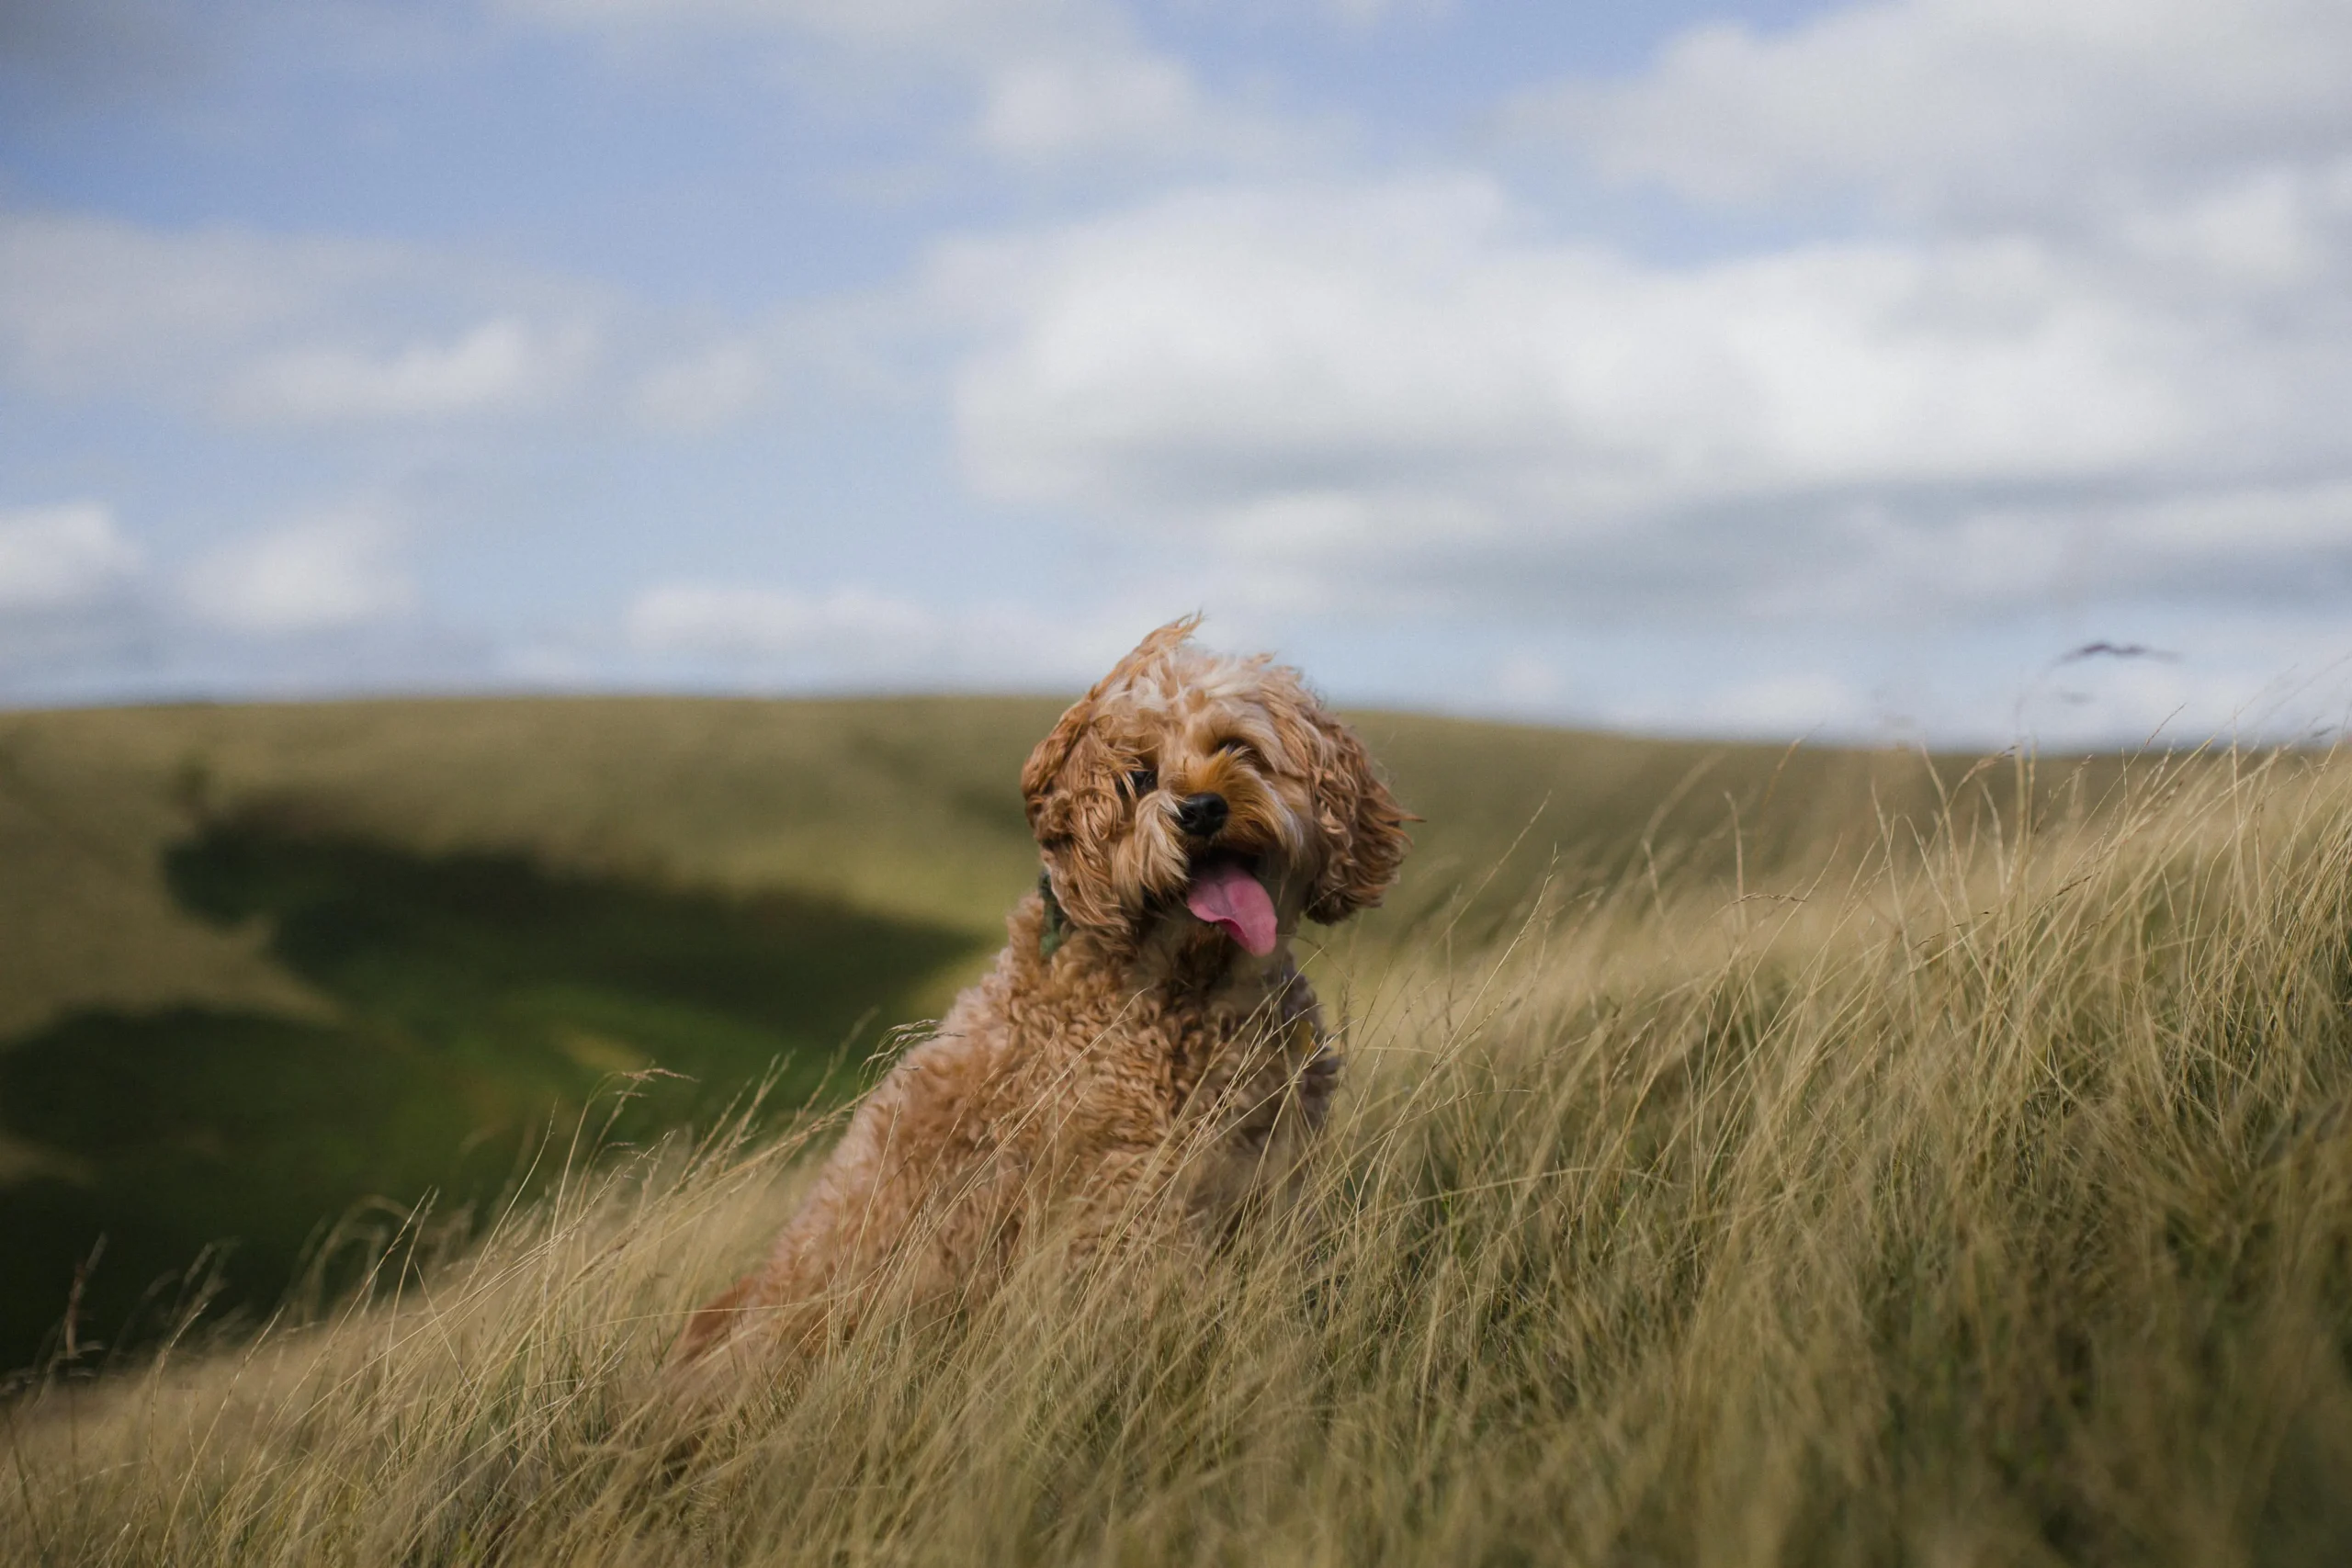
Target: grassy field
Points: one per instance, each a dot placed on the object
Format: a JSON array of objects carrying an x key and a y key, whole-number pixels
[
  {"x": 1978, "y": 1197},
  {"x": 260, "y": 966}
]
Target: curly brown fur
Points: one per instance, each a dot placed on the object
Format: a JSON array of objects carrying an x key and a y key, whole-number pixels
[{"x": 1125, "y": 1048}]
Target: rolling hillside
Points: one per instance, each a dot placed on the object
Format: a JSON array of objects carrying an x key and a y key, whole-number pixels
[
  {"x": 1815, "y": 1194},
  {"x": 259, "y": 964}
]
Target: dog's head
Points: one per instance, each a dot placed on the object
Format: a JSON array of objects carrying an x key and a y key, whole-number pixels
[{"x": 1212, "y": 792}]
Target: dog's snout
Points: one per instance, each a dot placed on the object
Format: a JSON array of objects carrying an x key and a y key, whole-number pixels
[{"x": 1201, "y": 814}]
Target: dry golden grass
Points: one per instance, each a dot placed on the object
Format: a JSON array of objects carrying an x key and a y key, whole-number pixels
[{"x": 1986, "y": 1199}]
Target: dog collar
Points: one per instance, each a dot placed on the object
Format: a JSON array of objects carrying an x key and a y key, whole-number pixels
[{"x": 1057, "y": 928}]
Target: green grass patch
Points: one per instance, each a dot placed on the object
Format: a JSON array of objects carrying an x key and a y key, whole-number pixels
[{"x": 480, "y": 1002}]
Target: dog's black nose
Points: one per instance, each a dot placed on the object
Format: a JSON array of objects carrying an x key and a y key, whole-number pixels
[{"x": 1201, "y": 814}]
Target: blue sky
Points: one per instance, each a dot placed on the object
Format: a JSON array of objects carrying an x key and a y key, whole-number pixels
[{"x": 1779, "y": 369}]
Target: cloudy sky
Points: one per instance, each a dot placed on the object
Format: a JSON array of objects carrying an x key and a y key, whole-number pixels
[{"x": 1776, "y": 369}]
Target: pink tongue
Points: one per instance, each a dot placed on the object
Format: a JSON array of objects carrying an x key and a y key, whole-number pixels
[{"x": 1225, "y": 895}]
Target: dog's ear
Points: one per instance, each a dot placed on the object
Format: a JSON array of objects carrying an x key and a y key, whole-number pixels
[
  {"x": 1045, "y": 763},
  {"x": 1364, "y": 826}
]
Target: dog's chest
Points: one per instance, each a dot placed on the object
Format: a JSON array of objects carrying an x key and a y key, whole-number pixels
[
  {"x": 1217, "y": 1066},
  {"x": 1109, "y": 1062}
]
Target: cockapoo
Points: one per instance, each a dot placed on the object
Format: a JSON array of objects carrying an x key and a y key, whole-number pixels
[{"x": 1145, "y": 1043}]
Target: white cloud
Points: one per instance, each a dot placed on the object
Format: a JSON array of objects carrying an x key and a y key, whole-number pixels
[
  {"x": 498, "y": 365},
  {"x": 1788, "y": 703},
  {"x": 1526, "y": 681},
  {"x": 1252, "y": 340},
  {"x": 1050, "y": 81},
  {"x": 856, "y": 637},
  {"x": 88, "y": 303},
  {"x": 63, "y": 558},
  {"x": 1052, "y": 108},
  {"x": 327, "y": 574},
  {"x": 942, "y": 25},
  {"x": 319, "y": 607},
  {"x": 1414, "y": 393},
  {"x": 264, "y": 327},
  {"x": 1944, "y": 106},
  {"x": 765, "y": 623},
  {"x": 2270, "y": 231},
  {"x": 1362, "y": 14},
  {"x": 1407, "y": 381},
  {"x": 703, "y": 391}
]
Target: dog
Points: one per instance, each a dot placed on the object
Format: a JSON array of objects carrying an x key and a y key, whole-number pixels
[{"x": 1145, "y": 1043}]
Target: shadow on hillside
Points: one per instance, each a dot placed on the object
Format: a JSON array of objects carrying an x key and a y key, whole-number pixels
[{"x": 478, "y": 1003}]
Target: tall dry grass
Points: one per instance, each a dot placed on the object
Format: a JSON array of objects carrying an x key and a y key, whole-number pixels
[{"x": 1988, "y": 1199}]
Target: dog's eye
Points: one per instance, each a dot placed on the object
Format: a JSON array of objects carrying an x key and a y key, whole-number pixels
[
  {"x": 1142, "y": 781},
  {"x": 1236, "y": 746}
]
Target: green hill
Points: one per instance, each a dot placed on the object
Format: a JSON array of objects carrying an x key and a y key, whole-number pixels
[{"x": 258, "y": 965}]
